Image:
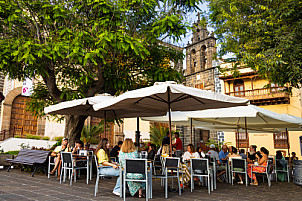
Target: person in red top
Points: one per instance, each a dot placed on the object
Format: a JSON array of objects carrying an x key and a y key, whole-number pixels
[{"x": 178, "y": 143}]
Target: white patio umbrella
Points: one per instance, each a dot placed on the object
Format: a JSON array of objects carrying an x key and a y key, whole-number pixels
[
  {"x": 79, "y": 106},
  {"x": 84, "y": 107},
  {"x": 167, "y": 96},
  {"x": 182, "y": 119},
  {"x": 255, "y": 116},
  {"x": 250, "y": 116},
  {"x": 298, "y": 120}
]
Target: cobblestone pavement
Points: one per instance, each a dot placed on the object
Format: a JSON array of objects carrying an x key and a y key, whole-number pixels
[{"x": 16, "y": 185}]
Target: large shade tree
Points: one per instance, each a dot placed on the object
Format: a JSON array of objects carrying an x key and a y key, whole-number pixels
[
  {"x": 263, "y": 34},
  {"x": 79, "y": 48}
]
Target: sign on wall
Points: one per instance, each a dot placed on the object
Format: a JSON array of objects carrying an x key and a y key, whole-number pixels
[{"x": 27, "y": 88}]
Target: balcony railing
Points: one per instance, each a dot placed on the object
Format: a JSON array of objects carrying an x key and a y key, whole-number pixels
[{"x": 260, "y": 95}]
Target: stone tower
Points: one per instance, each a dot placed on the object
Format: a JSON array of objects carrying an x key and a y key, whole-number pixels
[
  {"x": 200, "y": 73},
  {"x": 199, "y": 59}
]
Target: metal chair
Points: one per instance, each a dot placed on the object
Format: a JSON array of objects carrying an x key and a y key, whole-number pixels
[
  {"x": 267, "y": 172},
  {"x": 68, "y": 164},
  {"x": 171, "y": 164},
  {"x": 279, "y": 168},
  {"x": 83, "y": 152},
  {"x": 98, "y": 175},
  {"x": 240, "y": 164},
  {"x": 200, "y": 168},
  {"x": 50, "y": 164},
  {"x": 90, "y": 153},
  {"x": 213, "y": 164},
  {"x": 143, "y": 154},
  {"x": 135, "y": 166}
]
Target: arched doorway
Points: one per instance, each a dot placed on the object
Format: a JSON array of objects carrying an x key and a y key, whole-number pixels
[{"x": 22, "y": 122}]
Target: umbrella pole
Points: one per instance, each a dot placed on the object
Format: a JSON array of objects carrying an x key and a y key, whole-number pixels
[
  {"x": 105, "y": 119},
  {"x": 191, "y": 124},
  {"x": 237, "y": 138},
  {"x": 170, "y": 134},
  {"x": 137, "y": 133},
  {"x": 287, "y": 140},
  {"x": 246, "y": 134}
]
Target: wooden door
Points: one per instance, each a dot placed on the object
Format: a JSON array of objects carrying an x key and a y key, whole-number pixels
[
  {"x": 22, "y": 122},
  {"x": 109, "y": 128},
  {"x": 239, "y": 88}
]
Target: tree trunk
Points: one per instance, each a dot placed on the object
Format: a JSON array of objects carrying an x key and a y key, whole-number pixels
[{"x": 73, "y": 128}]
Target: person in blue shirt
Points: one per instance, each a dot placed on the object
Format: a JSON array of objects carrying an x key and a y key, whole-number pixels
[
  {"x": 223, "y": 154},
  {"x": 223, "y": 158}
]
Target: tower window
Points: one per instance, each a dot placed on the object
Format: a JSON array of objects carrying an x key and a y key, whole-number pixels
[{"x": 194, "y": 63}]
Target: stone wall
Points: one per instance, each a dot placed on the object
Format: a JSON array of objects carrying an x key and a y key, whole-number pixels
[{"x": 205, "y": 79}]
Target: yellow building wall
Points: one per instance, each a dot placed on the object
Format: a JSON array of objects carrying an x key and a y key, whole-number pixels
[
  {"x": 266, "y": 139},
  {"x": 130, "y": 126}
]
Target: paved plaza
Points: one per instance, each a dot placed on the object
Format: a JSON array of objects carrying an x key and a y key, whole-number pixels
[{"x": 16, "y": 185}]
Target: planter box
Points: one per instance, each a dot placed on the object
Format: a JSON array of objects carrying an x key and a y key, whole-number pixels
[{"x": 3, "y": 157}]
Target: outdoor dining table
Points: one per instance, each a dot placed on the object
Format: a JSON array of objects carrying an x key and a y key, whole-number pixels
[{"x": 88, "y": 159}]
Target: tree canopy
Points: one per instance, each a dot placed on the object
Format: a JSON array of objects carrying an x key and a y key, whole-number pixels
[
  {"x": 79, "y": 48},
  {"x": 266, "y": 35}
]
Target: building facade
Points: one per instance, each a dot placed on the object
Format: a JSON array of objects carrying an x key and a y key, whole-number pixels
[{"x": 269, "y": 96}]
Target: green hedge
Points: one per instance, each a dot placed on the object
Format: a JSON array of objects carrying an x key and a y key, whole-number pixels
[
  {"x": 12, "y": 152},
  {"x": 46, "y": 138},
  {"x": 36, "y": 137}
]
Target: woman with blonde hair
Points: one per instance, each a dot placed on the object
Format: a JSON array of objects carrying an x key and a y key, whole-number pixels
[
  {"x": 128, "y": 151},
  {"x": 165, "y": 151}
]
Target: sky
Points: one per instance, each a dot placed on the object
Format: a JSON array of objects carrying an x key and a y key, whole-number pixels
[{"x": 191, "y": 18}]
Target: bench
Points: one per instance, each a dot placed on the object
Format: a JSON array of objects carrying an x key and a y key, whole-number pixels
[
  {"x": 3, "y": 158},
  {"x": 35, "y": 158}
]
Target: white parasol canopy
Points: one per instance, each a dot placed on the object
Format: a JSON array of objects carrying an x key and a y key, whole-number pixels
[
  {"x": 84, "y": 107},
  {"x": 255, "y": 117},
  {"x": 78, "y": 107},
  {"x": 180, "y": 98},
  {"x": 183, "y": 119},
  {"x": 167, "y": 96}
]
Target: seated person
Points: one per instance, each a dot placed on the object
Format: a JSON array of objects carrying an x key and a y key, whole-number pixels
[
  {"x": 262, "y": 162},
  {"x": 190, "y": 153},
  {"x": 115, "y": 151},
  {"x": 213, "y": 153},
  {"x": 151, "y": 152},
  {"x": 79, "y": 145},
  {"x": 281, "y": 164},
  {"x": 293, "y": 158},
  {"x": 223, "y": 158},
  {"x": 223, "y": 154},
  {"x": 80, "y": 160},
  {"x": 165, "y": 151},
  {"x": 251, "y": 156},
  {"x": 106, "y": 167},
  {"x": 128, "y": 151},
  {"x": 64, "y": 147},
  {"x": 200, "y": 152},
  {"x": 165, "y": 141},
  {"x": 242, "y": 154},
  {"x": 233, "y": 154}
]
